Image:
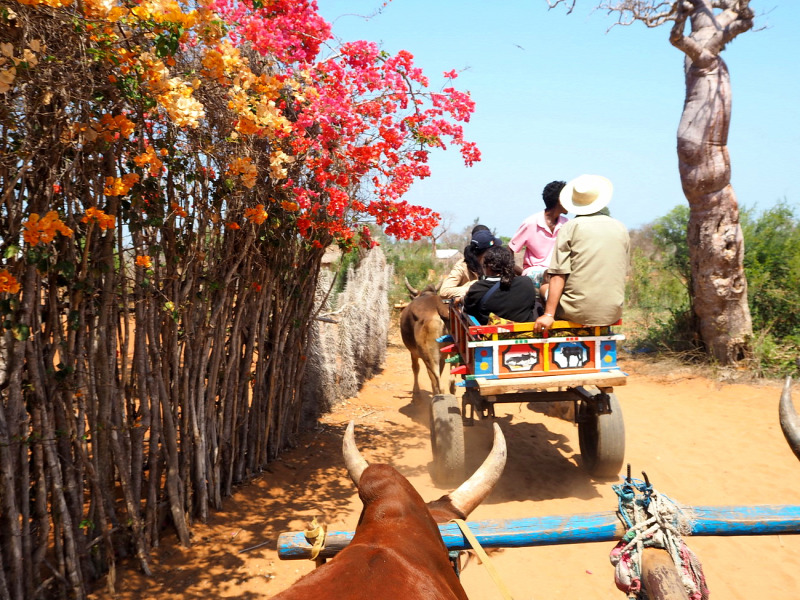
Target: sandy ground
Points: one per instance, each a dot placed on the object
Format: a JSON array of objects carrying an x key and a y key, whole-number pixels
[{"x": 701, "y": 442}]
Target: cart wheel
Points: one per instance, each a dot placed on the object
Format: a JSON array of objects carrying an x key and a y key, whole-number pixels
[
  {"x": 602, "y": 439},
  {"x": 447, "y": 439}
]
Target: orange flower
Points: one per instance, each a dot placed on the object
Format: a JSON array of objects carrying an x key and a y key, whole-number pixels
[
  {"x": 245, "y": 168},
  {"x": 44, "y": 229},
  {"x": 8, "y": 283},
  {"x": 257, "y": 215},
  {"x": 148, "y": 157},
  {"x": 291, "y": 206},
  {"x": 232, "y": 225},
  {"x": 178, "y": 209},
  {"x": 144, "y": 261},
  {"x": 103, "y": 220},
  {"x": 110, "y": 125}
]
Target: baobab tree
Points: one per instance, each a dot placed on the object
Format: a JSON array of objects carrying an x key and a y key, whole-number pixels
[{"x": 701, "y": 29}]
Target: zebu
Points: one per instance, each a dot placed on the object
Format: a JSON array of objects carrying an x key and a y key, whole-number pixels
[
  {"x": 397, "y": 550},
  {"x": 422, "y": 321}
]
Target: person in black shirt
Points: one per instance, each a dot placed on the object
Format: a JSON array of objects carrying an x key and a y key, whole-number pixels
[{"x": 501, "y": 292}]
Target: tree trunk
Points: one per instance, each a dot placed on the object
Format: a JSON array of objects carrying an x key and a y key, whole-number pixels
[{"x": 716, "y": 244}]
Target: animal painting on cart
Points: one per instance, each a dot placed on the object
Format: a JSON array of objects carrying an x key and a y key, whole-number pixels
[
  {"x": 397, "y": 550},
  {"x": 422, "y": 322}
]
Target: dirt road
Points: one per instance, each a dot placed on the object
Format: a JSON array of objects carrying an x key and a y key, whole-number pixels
[{"x": 700, "y": 442}]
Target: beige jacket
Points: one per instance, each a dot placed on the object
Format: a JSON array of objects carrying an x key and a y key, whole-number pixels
[{"x": 456, "y": 284}]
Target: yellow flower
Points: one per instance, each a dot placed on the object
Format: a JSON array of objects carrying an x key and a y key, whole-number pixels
[{"x": 277, "y": 164}]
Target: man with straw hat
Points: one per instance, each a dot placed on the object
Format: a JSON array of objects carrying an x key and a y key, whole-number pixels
[{"x": 590, "y": 259}]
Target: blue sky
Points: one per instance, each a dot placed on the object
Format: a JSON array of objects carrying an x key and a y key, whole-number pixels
[{"x": 558, "y": 95}]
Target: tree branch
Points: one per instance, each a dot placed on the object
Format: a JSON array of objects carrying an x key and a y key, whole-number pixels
[
  {"x": 570, "y": 4},
  {"x": 732, "y": 22},
  {"x": 652, "y": 14},
  {"x": 683, "y": 43}
]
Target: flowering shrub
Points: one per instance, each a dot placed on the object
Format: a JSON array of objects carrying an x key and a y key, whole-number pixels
[{"x": 172, "y": 173}]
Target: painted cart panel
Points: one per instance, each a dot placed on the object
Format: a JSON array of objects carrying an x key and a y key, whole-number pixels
[{"x": 513, "y": 350}]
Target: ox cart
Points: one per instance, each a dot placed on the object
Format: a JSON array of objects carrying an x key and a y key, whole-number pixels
[{"x": 508, "y": 363}]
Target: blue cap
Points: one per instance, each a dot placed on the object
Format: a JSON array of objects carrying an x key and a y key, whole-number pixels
[{"x": 481, "y": 240}]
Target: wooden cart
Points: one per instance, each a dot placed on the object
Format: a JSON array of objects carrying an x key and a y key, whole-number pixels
[{"x": 510, "y": 363}]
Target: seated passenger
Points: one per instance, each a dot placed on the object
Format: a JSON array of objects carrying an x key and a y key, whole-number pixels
[
  {"x": 501, "y": 292},
  {"x": 468, "y": 270},
  {"x": 537, "y": 236},
  {"x": 590, "y": 260}
]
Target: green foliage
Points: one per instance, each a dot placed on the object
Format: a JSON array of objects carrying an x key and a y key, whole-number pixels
[
  {"x": 653, "y": 286},
  {"x": 772, "y": 267},
  {"x": 774, "y": 357},
  {"x": 413, "y": 261},
  {"x": 348, "y": 259},
  {"x": 657, "y": 292},
  {"x": 658, "y": 288},
  {"x": 669, "y": 236}
]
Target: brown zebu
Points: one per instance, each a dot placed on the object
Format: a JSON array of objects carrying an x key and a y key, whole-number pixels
[
  {"x": 422, "y": 321},
  {"x": 397, "y": 551}
]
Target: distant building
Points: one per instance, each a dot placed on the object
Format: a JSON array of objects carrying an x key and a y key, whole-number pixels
[{"x": 446, "y": 253}]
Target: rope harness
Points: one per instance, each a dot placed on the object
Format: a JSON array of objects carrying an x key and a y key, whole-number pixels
[
  {"x": 315, "y": 535},
  {"x": 487, "y": 562},
  {"x": 653, "y": 520}
]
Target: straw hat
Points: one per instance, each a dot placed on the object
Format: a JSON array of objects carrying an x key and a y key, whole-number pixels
[{"x": 586, "y": 194}]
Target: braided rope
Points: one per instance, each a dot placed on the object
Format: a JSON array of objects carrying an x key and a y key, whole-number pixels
[{"x": 653, "y": 520}]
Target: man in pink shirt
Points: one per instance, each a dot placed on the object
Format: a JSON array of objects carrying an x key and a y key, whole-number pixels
[{"x": 537, "y": 235}]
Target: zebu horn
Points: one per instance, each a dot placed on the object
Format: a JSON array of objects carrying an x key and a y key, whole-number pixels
[
  {"x": 413, "y": 291},
  {"x": 475, "y": 489},
  {"x": 353, "y": 460},
  {"x": 790, "y": 422}
]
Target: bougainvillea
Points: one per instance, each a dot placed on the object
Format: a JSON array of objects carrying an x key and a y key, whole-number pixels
[
  {"x": 337, "y": 140},
  {"x": 171, "y": 173}
]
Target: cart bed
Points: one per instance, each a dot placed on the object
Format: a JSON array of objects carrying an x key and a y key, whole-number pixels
[{"x": 511, "y": 357}]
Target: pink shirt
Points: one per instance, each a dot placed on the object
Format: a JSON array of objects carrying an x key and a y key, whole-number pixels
[{"x": 535, "y": 236}]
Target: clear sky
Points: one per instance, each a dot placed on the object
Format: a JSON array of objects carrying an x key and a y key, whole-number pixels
[{"x": 558, "y": 95}]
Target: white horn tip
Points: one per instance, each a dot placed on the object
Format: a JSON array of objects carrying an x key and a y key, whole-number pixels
[{"x": 353, "y": 460}]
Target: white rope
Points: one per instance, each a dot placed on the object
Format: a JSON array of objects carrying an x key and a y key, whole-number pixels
[{"x": 657, "y": 522}]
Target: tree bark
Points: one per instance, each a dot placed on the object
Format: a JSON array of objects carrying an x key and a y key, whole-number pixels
[{"x": 716, "y": 243}]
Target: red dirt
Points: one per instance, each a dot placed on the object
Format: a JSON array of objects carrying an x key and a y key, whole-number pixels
[{"x": 700, "y": 441}]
